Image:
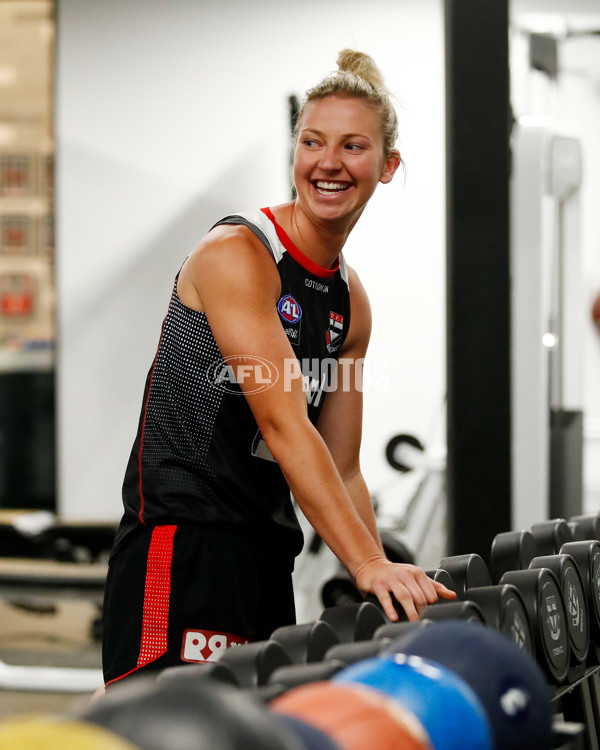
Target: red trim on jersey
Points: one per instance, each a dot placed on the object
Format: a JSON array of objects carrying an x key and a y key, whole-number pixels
[
  {"x": 157, "y": 592},
  {"x": 141, "y": 511},
  {"x": 297, "y": 254},
  {"x": 120, "y": 677}
]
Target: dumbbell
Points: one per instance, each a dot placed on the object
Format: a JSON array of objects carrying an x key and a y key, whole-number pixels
[
  {"x": 503, "y": 608},
  {"x": 350, "y": 653},
  {"x": 306, "y": 643},
  {"x": 453, "y": 611},
  {"x": 498, "y": 606},
  {"x": 393, "y": 630},
  {"x": 285, "y": 678},
  {"x": 312, "y": 646},
  {"x": 443, "y": 577},
  {"x": 543, "y": 599},
  {"x": 586, "y": 555},
  {"x": 515, "y": 550},
  {"x": 466, "y": 572},
  {"x": 463, "y": 571},
  {"x": 211, "y": 671},
  {"x": 577, "y": 530},
  {"x": 550, "y": 536},
  {"x": 340, "y": 591},
  {"x": 356, "y": 622},
  {"x": 253, "y": 663},
  {"x": 511, "y": 550},
  {"x": 589, "y": 523},
  {"x": 564, "y": 568}
]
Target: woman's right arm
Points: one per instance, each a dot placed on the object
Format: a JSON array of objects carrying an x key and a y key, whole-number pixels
[{"x": 233, "y": 279}]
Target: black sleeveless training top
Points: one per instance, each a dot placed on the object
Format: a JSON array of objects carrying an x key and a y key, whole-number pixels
[{"x": 198, "y": 455}]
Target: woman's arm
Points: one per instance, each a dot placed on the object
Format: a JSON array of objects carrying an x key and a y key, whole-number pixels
[
  {"x": 340, "y": 424},
  {"x": 340, "y": 421},
  {"x": 232, "y": 278}
]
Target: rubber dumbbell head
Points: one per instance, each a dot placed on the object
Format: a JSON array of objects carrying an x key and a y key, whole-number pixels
[
  {"x": 306, "y": 643},
  {"x": 356, "y": 622},
  {"x": 589, "y": 523},
  {"x": 564, "y": 568},
  {"x": 551, "y": 535},
  {"x": 443, "y": 577},
  {"x": 542, "y": 596},
  {"x": 467, "y": 571},
  {"x": 587, "y": 558},
  {"x": 294, "y": 675},
  {"x": 503, "y": 609},
  {"x": 464, "y": 610},
  {"x": 253, "y": 663},
  {"x": 511, "y": 550}
]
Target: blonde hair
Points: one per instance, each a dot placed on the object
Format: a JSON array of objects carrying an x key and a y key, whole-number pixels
[{"x": 358, "y": 77}]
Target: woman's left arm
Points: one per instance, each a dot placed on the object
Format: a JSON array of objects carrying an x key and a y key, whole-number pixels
[{"x": 340, "y": 421}]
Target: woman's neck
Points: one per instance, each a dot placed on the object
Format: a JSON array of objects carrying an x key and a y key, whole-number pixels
[{"x": 321, "y": 243}]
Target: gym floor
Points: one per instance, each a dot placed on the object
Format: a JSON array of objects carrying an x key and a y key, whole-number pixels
[{"x": 62, "y": 638}]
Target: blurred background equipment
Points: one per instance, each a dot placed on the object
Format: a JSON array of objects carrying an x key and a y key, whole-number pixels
[{"x": 27, "y": 313}]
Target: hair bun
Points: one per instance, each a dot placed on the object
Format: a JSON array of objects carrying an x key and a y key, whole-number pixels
[
  {"x": 361, "y": 65},
  {"x": 358, "y": 77}
]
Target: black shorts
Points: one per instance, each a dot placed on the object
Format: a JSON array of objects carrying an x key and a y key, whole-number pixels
[{"x": 184, "y": 593}]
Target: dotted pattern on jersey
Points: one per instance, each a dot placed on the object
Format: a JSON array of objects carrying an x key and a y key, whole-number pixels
[
  {"x": 193, "y": 455},
  {"x": 155, "y": 622},
  {"x": 182, "y": 403}
]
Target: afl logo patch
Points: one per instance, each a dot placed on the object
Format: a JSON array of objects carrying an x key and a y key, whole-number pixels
[{"x": 289, "y": 309}]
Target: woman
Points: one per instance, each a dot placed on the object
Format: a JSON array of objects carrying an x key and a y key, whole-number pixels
[{"x": 243, "y": 405}]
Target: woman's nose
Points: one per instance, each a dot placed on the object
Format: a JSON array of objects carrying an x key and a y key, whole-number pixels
[{"x": 330, "y": 158}]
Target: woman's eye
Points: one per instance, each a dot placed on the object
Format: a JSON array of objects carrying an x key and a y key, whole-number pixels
[
  {"x": 354, "y": 147},
  {"x": 310, "y": 142}
]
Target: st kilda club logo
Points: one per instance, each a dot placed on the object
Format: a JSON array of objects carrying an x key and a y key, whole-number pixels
[{"x": 334, "y": 332}]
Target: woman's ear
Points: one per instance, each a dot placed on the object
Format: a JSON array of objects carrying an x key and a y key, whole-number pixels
[{"x": 392, "y": 163}]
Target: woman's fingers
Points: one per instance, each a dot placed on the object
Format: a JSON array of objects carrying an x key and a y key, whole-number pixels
[
  {"x": 406, "y": 600},
  {"x": 386, "y": 602},
  {"x": 443, "y": 591},
  {"x": 408, "y": 584},
  {"x": 403, "y": 597}
]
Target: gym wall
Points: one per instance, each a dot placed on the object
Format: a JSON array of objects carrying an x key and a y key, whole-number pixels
[{"x": 171, "y": 115}]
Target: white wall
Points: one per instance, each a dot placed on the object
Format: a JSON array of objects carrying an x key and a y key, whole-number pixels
[{"x": 170, "y": 115}]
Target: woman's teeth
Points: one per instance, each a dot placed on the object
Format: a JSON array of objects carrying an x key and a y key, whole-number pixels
[{"x": 327, "y": 188}]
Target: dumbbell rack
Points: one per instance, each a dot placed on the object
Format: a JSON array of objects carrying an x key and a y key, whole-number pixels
[{"x": 579, "y": 702}]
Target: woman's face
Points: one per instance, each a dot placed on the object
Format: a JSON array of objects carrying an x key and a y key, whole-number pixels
[{"x": 339, "y": 158}]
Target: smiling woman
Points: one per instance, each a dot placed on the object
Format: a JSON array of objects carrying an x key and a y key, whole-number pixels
[
  {"x": 208, "y": 538},
  {"x": 340, "y": 157}
]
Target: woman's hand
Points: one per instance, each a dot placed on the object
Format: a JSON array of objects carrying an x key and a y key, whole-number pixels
[{"x": 408, "y": 584}]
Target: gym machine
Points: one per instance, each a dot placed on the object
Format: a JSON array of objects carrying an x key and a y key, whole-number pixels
[{"x": 547, "y": 317}]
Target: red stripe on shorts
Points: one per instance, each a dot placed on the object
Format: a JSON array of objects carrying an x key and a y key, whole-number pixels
[{"x": 155, "y": 623}]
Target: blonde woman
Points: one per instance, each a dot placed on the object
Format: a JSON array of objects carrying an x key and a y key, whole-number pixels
[{"x": 253, "y": 393}]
